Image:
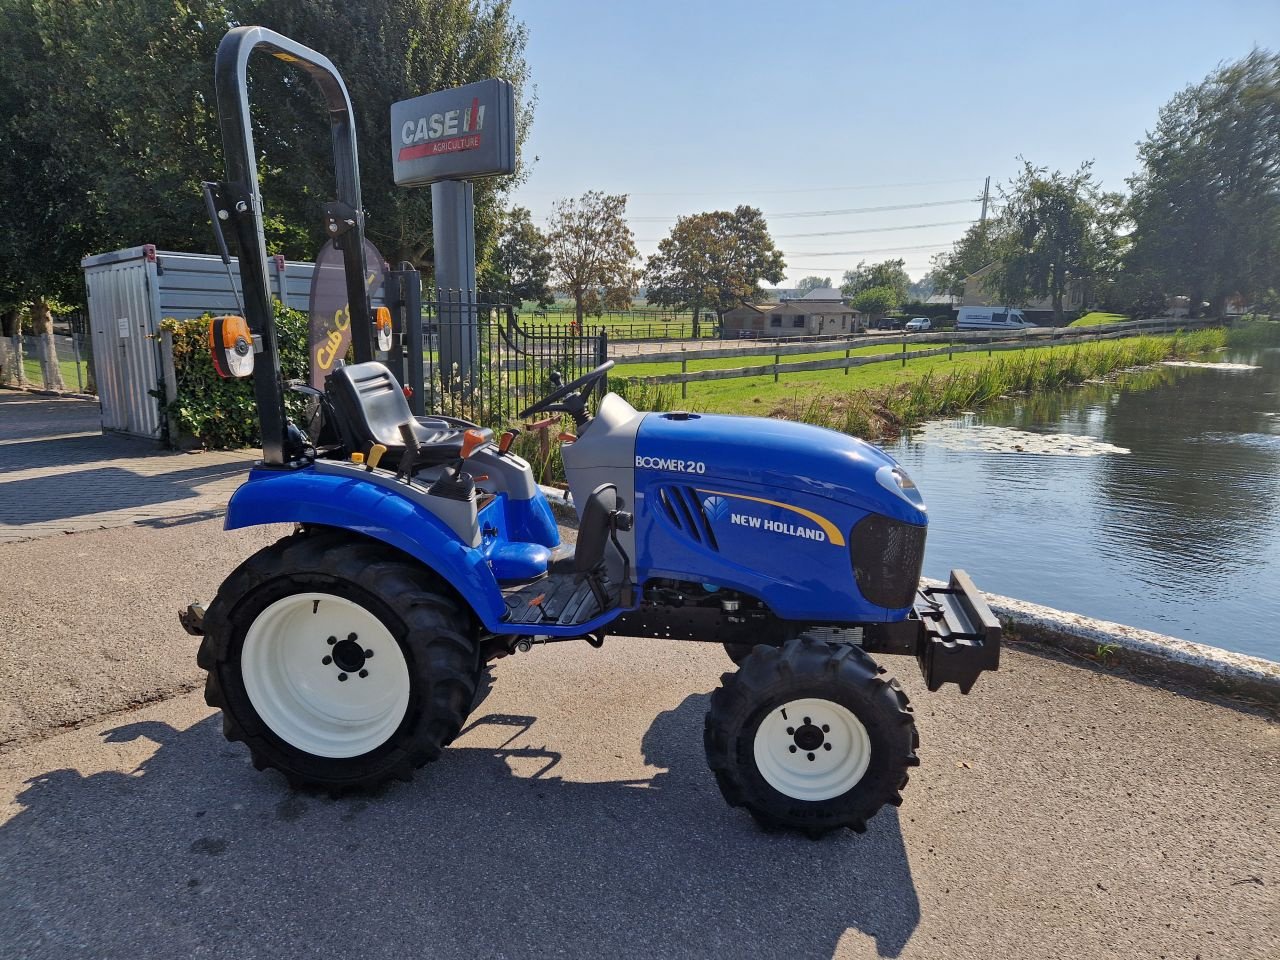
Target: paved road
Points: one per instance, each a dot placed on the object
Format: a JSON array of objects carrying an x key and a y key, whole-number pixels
[
  {"x": 1059, "y": 811},
  {"x": 60, "y": 474}
]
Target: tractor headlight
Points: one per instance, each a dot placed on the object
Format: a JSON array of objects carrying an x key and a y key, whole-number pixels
[{"x": 895, "y": 480}]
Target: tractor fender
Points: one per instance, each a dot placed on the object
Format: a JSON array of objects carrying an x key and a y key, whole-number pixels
[{"x": 305, "y": 496}]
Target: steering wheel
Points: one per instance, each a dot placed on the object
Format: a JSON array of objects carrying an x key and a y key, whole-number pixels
[{"x": 572, "y": 397}]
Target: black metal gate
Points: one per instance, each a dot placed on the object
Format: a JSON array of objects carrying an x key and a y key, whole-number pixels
[{"x": 513, "y": 361}]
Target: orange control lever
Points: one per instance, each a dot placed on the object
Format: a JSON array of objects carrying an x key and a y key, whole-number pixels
[{"x": 472, "y": 440}]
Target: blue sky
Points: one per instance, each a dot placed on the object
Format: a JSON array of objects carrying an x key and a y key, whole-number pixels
[{"x": 820, "y": 106}]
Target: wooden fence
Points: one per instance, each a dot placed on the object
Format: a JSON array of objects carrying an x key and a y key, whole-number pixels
[{"x": 950, "y": 342}]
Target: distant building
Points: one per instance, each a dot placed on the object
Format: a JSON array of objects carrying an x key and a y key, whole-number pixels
[
  {"x": 976, "y": 294},
  {"x": 819, "y": 313}
]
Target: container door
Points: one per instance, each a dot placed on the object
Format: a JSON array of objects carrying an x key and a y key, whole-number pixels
[{"x": 124, "y": 349}]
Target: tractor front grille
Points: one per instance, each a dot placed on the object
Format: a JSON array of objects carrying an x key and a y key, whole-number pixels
[{"x": 887, "y": 555}]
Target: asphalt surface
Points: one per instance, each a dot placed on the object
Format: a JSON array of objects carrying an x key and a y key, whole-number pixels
[{"x": 1059, "y": 811}]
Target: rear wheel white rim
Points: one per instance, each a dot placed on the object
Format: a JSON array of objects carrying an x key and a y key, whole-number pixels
[
  {"x": 325, "y": 675},
  {"x": 812, "y": 749}
]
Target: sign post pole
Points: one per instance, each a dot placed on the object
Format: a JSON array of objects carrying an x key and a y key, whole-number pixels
[{"x": 453, "y": 228}]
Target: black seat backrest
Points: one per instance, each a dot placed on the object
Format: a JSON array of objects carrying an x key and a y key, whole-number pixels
[
  {"x": 593, "y": 531},
  {"x": 369, "y": 404}
]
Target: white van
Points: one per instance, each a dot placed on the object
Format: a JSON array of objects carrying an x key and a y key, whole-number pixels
[{"x": 991, "y": 318}]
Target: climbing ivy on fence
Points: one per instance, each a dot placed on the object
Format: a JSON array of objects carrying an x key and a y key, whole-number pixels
[{"x": 221, "y": 414}]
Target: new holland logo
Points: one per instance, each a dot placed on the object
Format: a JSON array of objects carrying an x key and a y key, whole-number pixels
[{"x": 715, "y": 507}]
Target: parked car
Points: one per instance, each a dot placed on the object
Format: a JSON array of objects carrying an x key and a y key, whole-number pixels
[{"x": 919, "y": 323}]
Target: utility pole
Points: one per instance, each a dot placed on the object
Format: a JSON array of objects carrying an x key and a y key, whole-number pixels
[{"x": 986, "y": 196}]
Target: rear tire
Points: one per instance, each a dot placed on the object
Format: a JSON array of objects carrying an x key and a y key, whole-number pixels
[
  {"x": 338, "y": 661},
  {"x": 810, "y": 737}
]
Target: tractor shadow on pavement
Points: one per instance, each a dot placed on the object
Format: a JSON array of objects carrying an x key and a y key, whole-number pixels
[{"x": 488, "y": 853}]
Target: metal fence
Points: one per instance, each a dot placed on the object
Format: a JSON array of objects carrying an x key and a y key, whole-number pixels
[
  {"x": 63, "y": 365},
  {"x": 513, "y": 357}
]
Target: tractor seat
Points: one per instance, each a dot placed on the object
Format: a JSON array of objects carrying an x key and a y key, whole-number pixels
[{"x": 370, "y": 406}]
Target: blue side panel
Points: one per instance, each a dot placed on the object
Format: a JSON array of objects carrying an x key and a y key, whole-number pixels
[
  {"x": 532, "y": 521},
  {"x": 304, "y": 496},
  {"x": 509, "y": 559},
  {"x": 763, "y": 506}
]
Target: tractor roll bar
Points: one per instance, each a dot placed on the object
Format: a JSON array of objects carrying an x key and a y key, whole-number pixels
[{"x": 241, "y": 201}]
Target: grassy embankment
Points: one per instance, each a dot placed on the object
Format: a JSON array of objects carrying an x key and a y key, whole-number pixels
[
  {"x": 1096, "y": 318},
  {"x": 1251, "y": 334},
  {"x": 877, "y": 401}
]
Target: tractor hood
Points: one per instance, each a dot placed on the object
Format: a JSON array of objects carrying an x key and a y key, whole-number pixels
[{"x": 778, "y": 455}]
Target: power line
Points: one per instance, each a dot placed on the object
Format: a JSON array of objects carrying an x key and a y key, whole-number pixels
[
  {"x": 842, "y": 233},
  {"x": 858, "y": 253},
  {"x": 832, "y": 213},
  {"x": 772, "y": 190}
]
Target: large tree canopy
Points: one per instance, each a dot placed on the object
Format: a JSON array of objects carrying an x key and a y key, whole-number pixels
[
  {"x": 713, "y": 261},
  {"x": 593, "y": 251},
  {"x": 891, "y": 274},
  {"x": 108, "y": 122},
  {"x": 1053, "y": 229},
  {"x": 972, "y": 252},
  {"x": 1206, "y": 203}
]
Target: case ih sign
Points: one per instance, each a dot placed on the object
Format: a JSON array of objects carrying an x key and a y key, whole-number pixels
[{"x": 457, "y": 134}]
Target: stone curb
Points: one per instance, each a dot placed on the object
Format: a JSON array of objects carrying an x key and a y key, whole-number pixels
[
  {"x": 1196, "y": 665},
  {"x": 560, "y": 504}
]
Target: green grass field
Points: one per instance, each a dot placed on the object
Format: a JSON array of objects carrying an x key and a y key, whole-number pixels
[
  {"x": 752, "y": 360},
  {"x": 759, "y": 395},
  {"x": 1097, "y": 318},
  {"x": 32, "y": 368}
]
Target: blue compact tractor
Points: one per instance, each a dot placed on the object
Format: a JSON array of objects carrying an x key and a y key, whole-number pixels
[{"x": 349, "y": 653}]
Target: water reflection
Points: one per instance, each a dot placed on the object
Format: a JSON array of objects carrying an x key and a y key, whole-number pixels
[{"x": 1179, "y": 535}]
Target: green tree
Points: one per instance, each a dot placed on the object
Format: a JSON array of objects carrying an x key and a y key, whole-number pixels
[
  {"x": 1054, "y": 229},
  {"x": 713, "y": 261},
  {"x": 521, "y": 264},
  {"x": 973, "y": 251},
  {"x": 808, "y": 284},
  {"x": 110, "y": 153},
  {"x": 593, "y": 251},
  {"x": 1206, "y": 202},
  {"x": 865, "y": 276},
  {"x": 876, "y": 301}
]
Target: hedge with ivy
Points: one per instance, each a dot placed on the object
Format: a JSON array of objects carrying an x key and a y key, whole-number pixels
[{"x": 222, "y": 414}]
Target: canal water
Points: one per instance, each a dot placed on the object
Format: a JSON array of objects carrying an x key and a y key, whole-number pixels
[{"x": 1152, "y": 501}]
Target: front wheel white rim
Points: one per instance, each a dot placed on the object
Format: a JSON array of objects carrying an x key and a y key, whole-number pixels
[
  {"x": 325, "y": 675},
  {"x": 812, "y": 749}
]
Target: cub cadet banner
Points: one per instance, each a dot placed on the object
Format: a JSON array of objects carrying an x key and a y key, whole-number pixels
[
  {"x": 458, "y": 134},
  {"x": 329, "y": 329}
]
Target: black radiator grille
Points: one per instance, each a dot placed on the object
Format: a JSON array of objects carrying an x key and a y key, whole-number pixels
[{"x": 887, "y": 556}]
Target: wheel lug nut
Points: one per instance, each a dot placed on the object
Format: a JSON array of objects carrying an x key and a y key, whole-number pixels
[
  {"x": 811, "y": 756},
  {"x": 826, "y": 746},
  {"x": 365, "y": 673},
  {"x": 331, "y": 641},
  {"x": 791, "y": 731},
  {"x": 342, "y": 676},
  {"x": 807, "y": 721},
  {"x": 351, "y": 637},
  {"x": 792, "y": 748},
  {"x": 368, "y": 654},
  {"x": 327, "y": 660},
  {"x": 825, "y": 728}
]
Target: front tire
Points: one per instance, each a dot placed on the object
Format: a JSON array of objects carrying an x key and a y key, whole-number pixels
[
  {"x": 810, "y": 736},
  {"x": 338, "y": 661}
]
